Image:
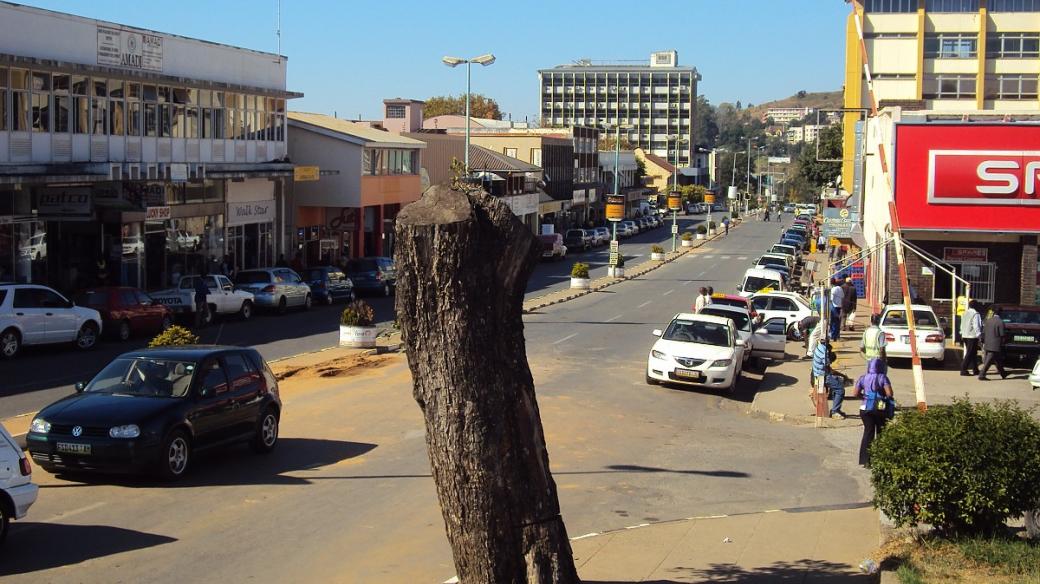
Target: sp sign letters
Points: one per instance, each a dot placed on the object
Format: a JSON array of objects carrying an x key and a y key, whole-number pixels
[{"x": 993, "y": 177}]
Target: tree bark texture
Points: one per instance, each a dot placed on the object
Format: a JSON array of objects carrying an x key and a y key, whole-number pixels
[{"x": 463, "y": 261}]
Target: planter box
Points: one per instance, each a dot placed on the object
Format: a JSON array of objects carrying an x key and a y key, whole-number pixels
[
  {"x": 701, "y": 236},
  {"x": 711, "y": 232},
  {"x": 618, "y": 272},
  {"x": 580, "y": 283},
  {"x": 358, "y": 337},
  {"x": 657, "y": 256},
  {"x": 687, "y": 243}
]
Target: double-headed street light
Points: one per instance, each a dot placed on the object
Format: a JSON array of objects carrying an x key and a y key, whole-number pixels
[{"x": 484, "y": 60}]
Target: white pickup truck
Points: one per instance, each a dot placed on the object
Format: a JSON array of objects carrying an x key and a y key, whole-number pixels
[{"x": 223, "y": 298}]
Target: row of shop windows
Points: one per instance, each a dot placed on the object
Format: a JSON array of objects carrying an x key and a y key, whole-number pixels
[
  {"x": 39, "y": 101},
  {"x": 386, "y": 161}
]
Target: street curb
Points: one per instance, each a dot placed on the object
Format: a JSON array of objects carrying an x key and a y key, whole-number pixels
[{"x": 607, "y": 281}]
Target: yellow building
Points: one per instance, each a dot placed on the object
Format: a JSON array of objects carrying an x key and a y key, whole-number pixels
[
  {"x": 658, "y": 171},
  {"x": 952, "y": 56}
]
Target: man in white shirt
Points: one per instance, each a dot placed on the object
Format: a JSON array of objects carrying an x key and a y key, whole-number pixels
[
  {"x": 836, "y": 300},
  {"x": 971, "y": 330},
  {"x": 702, "y": 300}
]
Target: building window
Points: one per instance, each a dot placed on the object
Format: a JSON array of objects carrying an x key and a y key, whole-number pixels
[
  {"x": 511, "y": 152},
  {"x": 1013, "y": 45},
  {"x": 1014, "y": 5},
  {"x": 3, "y": 99},
  {"x": 1011, "y": 87},
  {"x": 949, "y": 87},
  {"x": 950, "y": 46},
  {"x": 890, "y": 5},
  {"x": 395, "y": 111},
  {"x": 951, "y": 5},
  {"x": 41, "y": 102},
  {"x": 80, "y": 104},
  {"x": 19, "y": 80}
]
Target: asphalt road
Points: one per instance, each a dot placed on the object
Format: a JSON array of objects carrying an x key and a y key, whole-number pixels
[
  {"x": 347, "y": 496},
  {"x": 42, "y": 375}
]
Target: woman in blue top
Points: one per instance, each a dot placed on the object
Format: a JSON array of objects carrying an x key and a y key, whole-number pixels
[{"x": 876, "y": 388}]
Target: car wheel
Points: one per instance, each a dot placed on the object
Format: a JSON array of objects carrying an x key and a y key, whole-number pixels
[
  {"x": 5, "y": 521},
  {"x": 246, "y": 312},
  {"x": 1033, "y": 523},
  {"x": 281, "y": 305},
  {"x": 386, "y": 289},
  {"x": 167, "y": 322},
  {"x": 651, "y": 380},
  {"x": 266, "y": 437},
  {"x": 10, "y": 343},
  {"x": 86, "y": 338},
  {"x": 791, "y": 332},
  {"x": 123, "y": 332},
  {"x": 307, "y": 302},
  {"x": 174, "y": 456},
  {"x": 328, "y": 299}
]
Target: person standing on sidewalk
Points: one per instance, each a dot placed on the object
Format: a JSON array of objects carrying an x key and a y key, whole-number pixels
[
  {"x": 873, "y": 342},
  {"x": 848, "y": 304},
  {"x": 702, "y": 300},
  {"x": 876, "y": 389},
  {"x": 837, "y": 300},
  {"x": 971, "y": 330},
  {"x": 993, "y": 344},
  {"x": 201, "y": 301}
]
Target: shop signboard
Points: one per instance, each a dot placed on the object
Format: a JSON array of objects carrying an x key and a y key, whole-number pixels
[
  {"x": 118, "y": 47},
  {"x": 838, "y": 222},
  {"x": 74, "y": 203},
  {"x": 522, "y": 204},
  {"x": 968, "y": 177},
  {"x": 979, "y": 255},
  {"x": 306, "y": 173},
  {"x": 157, "y": 214},
  {"x": 251, "y": 212},
  {"x": 615, "y": 207}
]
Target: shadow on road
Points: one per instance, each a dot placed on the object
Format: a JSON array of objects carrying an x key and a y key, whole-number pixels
[
  {"x": 803, "y": 570},
  {"x": 236, "y": 465},
  {"x": 634, "y": 468},
  {"x": 40, "y": 546}
]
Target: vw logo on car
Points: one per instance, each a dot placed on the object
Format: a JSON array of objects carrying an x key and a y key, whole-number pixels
[{"x": 77, "y": 431}]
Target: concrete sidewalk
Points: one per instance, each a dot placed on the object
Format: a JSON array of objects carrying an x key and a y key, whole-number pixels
[{"x": 802, "y": 545}]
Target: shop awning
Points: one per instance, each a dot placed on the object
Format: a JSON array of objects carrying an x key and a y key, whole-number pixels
[{"x": 547, "y": 204}]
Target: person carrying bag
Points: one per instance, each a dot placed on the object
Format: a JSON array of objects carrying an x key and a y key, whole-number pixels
[{"x": 877, "y": 408}]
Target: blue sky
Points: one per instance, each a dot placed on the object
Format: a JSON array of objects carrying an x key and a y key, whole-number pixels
[{"x": 348, "y": 55}]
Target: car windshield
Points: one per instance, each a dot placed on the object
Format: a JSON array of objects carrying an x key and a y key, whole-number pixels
[
  {"x": 771, "y": 262},
  {"x": 1020, "y": 316},
  {"x": 144, "y": 376},
  {"x": 252, "y": 278},
  {"x": 754, "y": 284},
  {"x": 741, "y": 319},
  {"x": 694, "y": 331},
  {"x": 922, "y": 318}
]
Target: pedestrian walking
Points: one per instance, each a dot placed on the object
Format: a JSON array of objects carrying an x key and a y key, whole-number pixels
[
  {"x": 837, "y": 300},
  {"x": 993, "y": 344},
  {"x": 702, "y": 300},
  {"x": 877, "y": 408},
  {"x": 821, "y": 243},
  {"x": 848, "y": 305},
  {"x": 711, "y": 292},
  {"x": 725, "y": 222},
  {"x": 201, "y": 303},
  {"x": 766, "y": 216},
  {"x": 873, "y": 342},
  {"x": 971, "y": 330}
]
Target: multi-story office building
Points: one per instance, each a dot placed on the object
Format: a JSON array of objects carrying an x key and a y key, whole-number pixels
[
  {"x": 653, "y": 100},
  {"x": 133, "y": 157},
  {"x": 786, "y": 115},
  {"x": 954, "y": 56}
]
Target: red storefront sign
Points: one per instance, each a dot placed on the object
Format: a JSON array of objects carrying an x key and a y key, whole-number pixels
[{"x": 973, "y": 177}]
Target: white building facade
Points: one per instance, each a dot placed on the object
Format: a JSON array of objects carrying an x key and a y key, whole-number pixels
[{"x": 131, "y": 157}]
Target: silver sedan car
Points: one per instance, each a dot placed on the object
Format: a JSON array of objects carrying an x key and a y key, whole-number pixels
[{"x": 275, "y": 288}]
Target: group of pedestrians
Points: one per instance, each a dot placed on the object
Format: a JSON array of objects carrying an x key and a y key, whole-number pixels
[
  {"x": 842, "y": 302},
  {"x": 991, "y": 333},
  {"x": 703, "y": 298}
]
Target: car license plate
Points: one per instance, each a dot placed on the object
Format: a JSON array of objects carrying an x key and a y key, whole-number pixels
[
  {"x": 1024, "y": 339},
  {"x": 73, "y": 448},
  {"x": 687, "y": 374},
  {"x": 906, "y": 339}
]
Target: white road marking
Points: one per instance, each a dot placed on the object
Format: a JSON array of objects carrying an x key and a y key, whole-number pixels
[
  {"x": 726, "y": 257},
  {"x": 453, "y": 580},
  {"x": 587, "y": 535},
  {"x": 742, "y": 258},
  {"x": 701, "y": 274},
  {"x": 613, "y": 318},
  {"x": 644, "y": 304},
  {"x": 709, "y": 257},
  {"x": 566, "y": 338},
  {"x": 638, "y": 526},
  {"x": 67, "y": 514},
  {"x": 687, "y": 282},
  {"x": 669, "y": 292}
]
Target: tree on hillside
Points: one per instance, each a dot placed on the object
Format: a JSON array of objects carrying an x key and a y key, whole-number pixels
[
  {"x": 802, "y": 94},
  {"x": 480, "y": 106},
  {"x": 706, "y": 129},
  {"x": 813, "y": 171}
]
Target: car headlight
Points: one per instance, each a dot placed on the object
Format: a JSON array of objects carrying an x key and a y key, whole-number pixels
[
  {"x": 126, "y": 431},
  {"x": 40, "y": 426},
  {"x": 722, "y": 363},
  {"x": 658, "y": 355}
]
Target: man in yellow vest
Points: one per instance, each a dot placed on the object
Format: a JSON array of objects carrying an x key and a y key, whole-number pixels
[{"x": 873, "y": 342}]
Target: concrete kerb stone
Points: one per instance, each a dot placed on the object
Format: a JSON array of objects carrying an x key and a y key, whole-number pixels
[{"x": 558, "y": 297}]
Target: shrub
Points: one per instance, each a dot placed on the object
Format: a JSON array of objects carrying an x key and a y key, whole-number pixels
[
  {"x": 687, "y": 236},
  {"x": 656, "y": 249},
  {"x": 702, "y": 229},
  {"x": 175, "y": 336},
  {"x": 735, "y": 214},
  {"x": 357, "y": 313},
  {"x": 712, "y": 225},
  {"x": 964, "y": 468},
  {"x": 579, "y": 270}
]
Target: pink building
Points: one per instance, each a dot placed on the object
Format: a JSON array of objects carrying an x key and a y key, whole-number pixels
[{"x": 402, "y": 115}]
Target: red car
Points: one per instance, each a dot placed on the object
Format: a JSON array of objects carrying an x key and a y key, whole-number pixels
[
  {"x": 126, "y": 311},
  {"x": 734, "y": 300}
]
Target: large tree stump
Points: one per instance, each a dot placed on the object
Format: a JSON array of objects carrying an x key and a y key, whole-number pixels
[{"x": 463, "y": 260}]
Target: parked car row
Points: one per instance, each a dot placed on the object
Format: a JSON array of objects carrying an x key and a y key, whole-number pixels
[{"x": 32, "y": 314}]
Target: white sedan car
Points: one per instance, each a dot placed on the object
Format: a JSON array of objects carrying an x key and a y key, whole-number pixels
[
  {"x": 764, "y": 339},
  {"x": 931, "y": 341},
  {"x": 697, "y": 350},
  {"x": 1034, "y": 377},
  {"x": 790, "y": 306}
]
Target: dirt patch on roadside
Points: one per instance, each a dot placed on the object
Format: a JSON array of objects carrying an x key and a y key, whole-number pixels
[{"x": 342, "y": 367}]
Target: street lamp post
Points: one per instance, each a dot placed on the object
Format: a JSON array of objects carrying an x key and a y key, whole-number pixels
[
  {"x": 484, "y": 60},
  {"x": 675, "y": 188}
]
